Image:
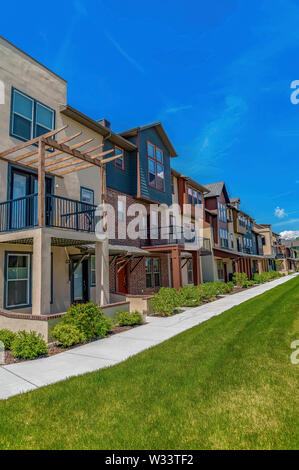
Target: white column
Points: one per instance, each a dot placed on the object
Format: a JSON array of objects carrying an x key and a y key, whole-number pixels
[
  {"x": 102, "y": 272},
  {"x": 41, "y": 273}
]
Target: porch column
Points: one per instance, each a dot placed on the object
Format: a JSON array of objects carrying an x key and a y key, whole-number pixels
[
  {"x": 102, "y": 272},
  {"x": 196, "y": 268},
  {"x": 260, "y": 266},
  {"x": 176, "y": 268},
  {"x": 41, "y": 184},
  {"x": 41, "y": 273}
]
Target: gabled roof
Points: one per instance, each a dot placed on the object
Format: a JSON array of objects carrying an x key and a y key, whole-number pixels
[
  {"x": 116, "y": 139},
  {"x": 216, "y": 189},
  {"x": 160, "y": 130}
]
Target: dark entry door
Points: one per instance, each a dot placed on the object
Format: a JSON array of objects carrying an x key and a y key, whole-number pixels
[
  {"x": 225, "y": 271},
  {"x": 122, "y": 278},
  {"x": 79, "y": 281}
]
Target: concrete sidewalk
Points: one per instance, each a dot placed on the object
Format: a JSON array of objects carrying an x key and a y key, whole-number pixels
[{"x": 25, "y": 376}]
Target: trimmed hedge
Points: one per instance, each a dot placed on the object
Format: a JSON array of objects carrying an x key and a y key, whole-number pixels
[
  {"x": 68, "y": 334},
  {"x": 89, "y": 320}
]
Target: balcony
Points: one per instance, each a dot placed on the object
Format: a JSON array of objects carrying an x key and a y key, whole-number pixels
[
  {"x": 60, "y": 212},
  {"x": 175, "y": 235}
]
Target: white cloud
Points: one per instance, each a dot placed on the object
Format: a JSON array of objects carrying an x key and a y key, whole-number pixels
[
  {"x": 289, "y": 234},
  {"x": 286, "y": 222},
  {"x": 280, "y": 213}
]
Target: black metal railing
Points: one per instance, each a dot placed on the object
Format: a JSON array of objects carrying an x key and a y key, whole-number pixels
[
  {"x": 19, "y": 213},
  {"x": 60, "y": 212},
  {"x": 70, "y": 214},
  {"x": 174, "y": 235}
]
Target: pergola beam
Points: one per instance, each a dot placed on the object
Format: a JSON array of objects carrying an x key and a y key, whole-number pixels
[
  {"x": 73, "y": 147},
  {"x": 35, "y": 152},
  {"x": 31, "y": 142},
  {"x": 83, "y": 167},
  {"x": 63, "y": 159},
  {"x": 65, "y": 149}
]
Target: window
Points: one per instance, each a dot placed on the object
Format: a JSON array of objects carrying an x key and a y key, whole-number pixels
[
  {"x": 232, "y": 241},
  {"x": 156, "y": 175},
  {"x": 29, "y": 118},
  {"x": 194, "y": 197},
  {"x": 153, "y": 272},
  {"x": 92, "y": 270},
  {"x": 119, "y": 162},
  {"x": 121, "y": 211},
  {"x": 148, "y": 271},
  {"x": 17, "y": 280},
  {"x": 190, "y": 271},
  {"x": 222, "y": 212},
  {"x": 87, "y": 195},
  {"x": 223, "y": 235},
  {"x": 172, "y": 185},
  {"x": 156, "y": 272}
]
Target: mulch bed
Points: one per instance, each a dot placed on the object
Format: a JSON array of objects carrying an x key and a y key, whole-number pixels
[{"x": 54, "y": 348}]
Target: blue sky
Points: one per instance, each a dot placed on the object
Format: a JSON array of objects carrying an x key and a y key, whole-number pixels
[{"x": 217, "y": 74}]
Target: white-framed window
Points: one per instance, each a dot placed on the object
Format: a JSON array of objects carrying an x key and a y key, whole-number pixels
[
  {"x": 17, "y": 280},
  {"x": 153, "y": 272},
  {"x": 29, "y": 117},
  {"x": 92, "y": 270}
]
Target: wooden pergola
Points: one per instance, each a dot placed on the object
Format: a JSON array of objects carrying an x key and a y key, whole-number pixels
[{"x": 66, "y": 159}]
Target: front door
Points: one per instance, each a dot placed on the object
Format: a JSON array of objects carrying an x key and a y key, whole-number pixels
[
  {"x": 79, "y": 281},
  {"x": 122, "y": 279}
]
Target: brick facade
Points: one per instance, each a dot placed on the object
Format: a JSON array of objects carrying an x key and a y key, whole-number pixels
[{"x": 137, "y": 278}]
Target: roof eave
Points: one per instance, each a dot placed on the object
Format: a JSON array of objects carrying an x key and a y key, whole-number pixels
[{"x": 116, "y": 139}]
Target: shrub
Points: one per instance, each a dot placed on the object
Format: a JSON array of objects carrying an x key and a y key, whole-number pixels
[
  {"x": 7, "y": 337},
  {"x": 28, "y": 345},
  {"x": 240, "y": 279},
  {"x": 208, "y": 290},
  {"x": 88, "y": 319},
  {"x": 266, "y": 276},
  {"x": 189, "y": 296},
  {"x": 166, "y": 301},
  {"x": 127, "y": 319},
  {"x": 67, "y": 334}
]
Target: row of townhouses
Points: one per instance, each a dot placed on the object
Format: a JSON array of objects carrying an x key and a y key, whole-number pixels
[{"x": 57, "y": 165}]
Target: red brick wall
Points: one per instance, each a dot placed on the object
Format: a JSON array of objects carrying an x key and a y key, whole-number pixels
[{"x": 137, "y": 279}]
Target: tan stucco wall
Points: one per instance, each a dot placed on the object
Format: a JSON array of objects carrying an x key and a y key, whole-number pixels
[{"x": 25, "y": 74}]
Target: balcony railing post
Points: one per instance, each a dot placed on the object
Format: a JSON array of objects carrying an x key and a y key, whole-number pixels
[{"x": 41, "y": 184}]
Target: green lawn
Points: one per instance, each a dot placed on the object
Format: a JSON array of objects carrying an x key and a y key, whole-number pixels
[{"x": 226, "y": 384}]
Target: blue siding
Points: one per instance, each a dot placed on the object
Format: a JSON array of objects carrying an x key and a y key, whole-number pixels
[
  {"x": 125, "y": 180},
  {"x": 146, "y": 190}
]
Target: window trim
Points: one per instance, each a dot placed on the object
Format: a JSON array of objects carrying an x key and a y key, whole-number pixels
[
  {"x": 33, "y": 122},
  {"x": 29, "y": 288},
  {"x": 156, "y": 162},
  {"x": 152, "y": 272},
  {"x": 82, "y": 188}
]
